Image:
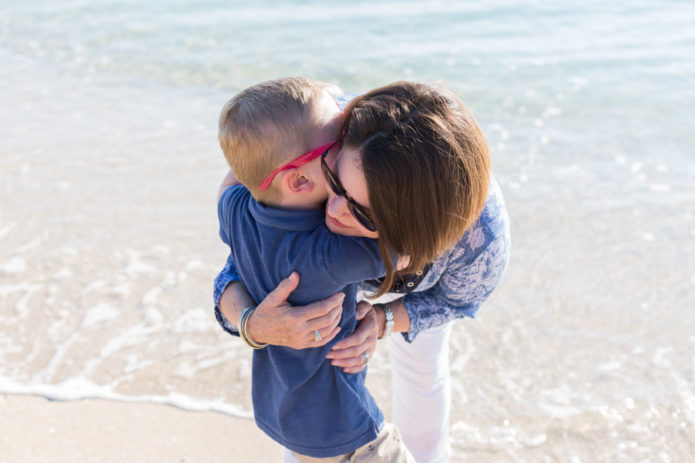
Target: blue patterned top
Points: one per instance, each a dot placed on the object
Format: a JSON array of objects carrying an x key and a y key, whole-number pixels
[{"x": 457, "y": 283}]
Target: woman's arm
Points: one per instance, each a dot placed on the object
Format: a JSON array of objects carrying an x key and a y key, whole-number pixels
[
  {"x": 275, "y": 321},
  {"x": 227, "y": 181},
  {"x": 222, "y": 294}
]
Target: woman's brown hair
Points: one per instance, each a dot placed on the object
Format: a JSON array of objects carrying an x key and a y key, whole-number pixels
[{"x": 427, "y": 168}]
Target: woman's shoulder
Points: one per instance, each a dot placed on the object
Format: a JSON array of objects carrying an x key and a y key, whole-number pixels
[
  {"x": 492, "y": 225},
  {"x": 484, "y": 247},
  {"x": 495, "y": 210}
]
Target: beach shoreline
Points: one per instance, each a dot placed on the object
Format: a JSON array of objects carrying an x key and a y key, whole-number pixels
[
  {"x": 34, "y": 429},
  {"x": 109, "y": 169}
]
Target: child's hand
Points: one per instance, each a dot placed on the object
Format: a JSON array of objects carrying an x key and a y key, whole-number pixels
[{"x": 227, "y": 181}]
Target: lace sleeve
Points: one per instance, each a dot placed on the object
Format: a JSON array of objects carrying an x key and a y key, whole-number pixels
[{"x": 226, "y": 276}]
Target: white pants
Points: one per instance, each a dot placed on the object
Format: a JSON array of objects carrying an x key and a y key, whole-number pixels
[
  {"x": 421, "y": 393},
  {"x": 421, "y": 389}
]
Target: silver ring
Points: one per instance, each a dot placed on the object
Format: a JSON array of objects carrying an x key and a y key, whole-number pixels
[
  {"x": 366, "y": 357},
  {"x": 317, "y": 336}
]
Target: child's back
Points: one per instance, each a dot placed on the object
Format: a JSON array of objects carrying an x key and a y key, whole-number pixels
[{"x": 299, "y": 398}]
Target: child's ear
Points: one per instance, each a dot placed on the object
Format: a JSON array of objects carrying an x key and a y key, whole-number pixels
[{"x": 296, "y": 182}]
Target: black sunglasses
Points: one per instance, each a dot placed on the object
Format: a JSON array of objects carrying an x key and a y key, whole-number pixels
[{"x": 357, "y": 211}]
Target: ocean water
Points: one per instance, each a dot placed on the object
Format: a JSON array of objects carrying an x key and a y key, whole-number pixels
[{"x": 109, "y": 168}]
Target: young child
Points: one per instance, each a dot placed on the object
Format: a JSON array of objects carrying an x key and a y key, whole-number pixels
[{"x": 274, "y": 225}]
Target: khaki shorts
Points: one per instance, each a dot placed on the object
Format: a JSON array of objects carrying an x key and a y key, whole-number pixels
[{"x": 387, "y": 447}]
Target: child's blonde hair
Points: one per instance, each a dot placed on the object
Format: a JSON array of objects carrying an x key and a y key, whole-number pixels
[{"x": 267, "y": 125}]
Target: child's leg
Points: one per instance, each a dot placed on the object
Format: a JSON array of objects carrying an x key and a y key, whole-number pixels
[
  {"x": 421, "y": 391},
  {"x": 289, "y": 457},
  {"x": 388, "y": 447},
  {"x": 306, "y": 459}
]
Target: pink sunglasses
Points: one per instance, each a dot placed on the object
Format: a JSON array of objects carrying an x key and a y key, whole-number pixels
[
  {"x": 297, "y": 162},
  {"x": 294, "y": 164}
]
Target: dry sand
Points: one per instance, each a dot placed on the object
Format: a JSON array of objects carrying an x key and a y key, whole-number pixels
[{"x": 34, "y": 429}]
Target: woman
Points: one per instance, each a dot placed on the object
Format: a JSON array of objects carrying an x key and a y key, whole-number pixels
[{"x": 414, "y": 172}]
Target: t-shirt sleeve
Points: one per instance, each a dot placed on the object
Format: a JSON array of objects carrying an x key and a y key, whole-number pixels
[{"x": 233, "y": 197}]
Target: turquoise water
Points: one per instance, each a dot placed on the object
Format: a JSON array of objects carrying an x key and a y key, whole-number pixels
[
  {"x": 109, "y": 166},
  {"x": 604, "y": 73}
]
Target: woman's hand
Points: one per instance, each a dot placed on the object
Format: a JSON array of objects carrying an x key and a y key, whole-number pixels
[
  {"x": 228, "y": 180},
  {"x": 349, "y": 352},
  {"x": 277, "y": 322}
]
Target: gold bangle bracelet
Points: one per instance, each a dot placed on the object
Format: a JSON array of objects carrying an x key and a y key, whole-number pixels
[{"x": 243, "y": 333}]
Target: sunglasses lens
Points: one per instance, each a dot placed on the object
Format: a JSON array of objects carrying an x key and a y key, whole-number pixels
[
  {"x": 362, "y": 217},
  {"x": 337, "y": 188},
  {"x": 332, "y": 181}
]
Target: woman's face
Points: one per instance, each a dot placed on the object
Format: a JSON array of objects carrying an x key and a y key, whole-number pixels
[{"x": 347, "y": 166}]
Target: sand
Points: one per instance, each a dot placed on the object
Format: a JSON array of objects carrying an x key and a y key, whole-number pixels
[{"x": 34, "y": 429}]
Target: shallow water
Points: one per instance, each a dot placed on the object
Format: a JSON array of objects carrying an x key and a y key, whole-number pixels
[{"x": 109, "y": 168}]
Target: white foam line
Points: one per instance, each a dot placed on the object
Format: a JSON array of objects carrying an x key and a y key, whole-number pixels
[
  {"x": 93, "y": 286},
  {"x": 29, "y": 246},
  {"x": 99, "y": 313},
  {"x": 131, "y": 368},
  {"x": 22, "y": 304},
  {"x": 136, "y": 266},
  {"x": 6, "y": 229},
  {"x": 151, "y": 297},
  {"x": 14, "y": 265},
  {"x": 80, "y": 389},
  {"x": 22, "y": 287},
  {"x": 49, "y": 371}
]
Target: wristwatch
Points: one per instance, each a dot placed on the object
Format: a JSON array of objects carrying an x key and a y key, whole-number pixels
[{"x": 388, "y": 324}]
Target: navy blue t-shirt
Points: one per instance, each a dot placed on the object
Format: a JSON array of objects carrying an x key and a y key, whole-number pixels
[{"x": 300, "y": 399}]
